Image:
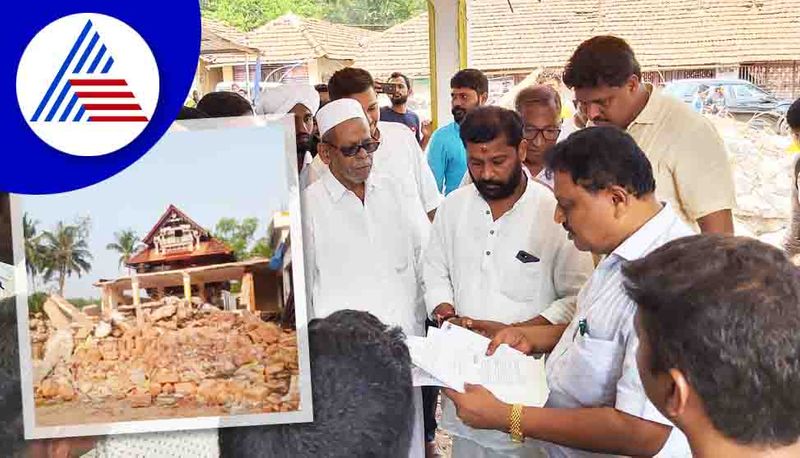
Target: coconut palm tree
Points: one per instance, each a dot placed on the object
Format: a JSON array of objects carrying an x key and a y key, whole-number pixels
[
  {"x": 67, "y": 253},
  {"x": 127, "y": 243},
  {"x": 34, "y": 250}
]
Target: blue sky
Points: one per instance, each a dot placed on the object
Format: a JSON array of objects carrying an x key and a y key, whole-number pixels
[{"x": 208, "y": 174}]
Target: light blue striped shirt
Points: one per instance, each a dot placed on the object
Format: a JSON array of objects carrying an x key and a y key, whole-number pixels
[{"x": 599, "y": 369}]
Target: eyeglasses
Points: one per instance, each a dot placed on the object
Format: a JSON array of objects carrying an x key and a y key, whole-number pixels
[
  {"x": 550, "y": 133},
  {"x": 349, "y": 151}
]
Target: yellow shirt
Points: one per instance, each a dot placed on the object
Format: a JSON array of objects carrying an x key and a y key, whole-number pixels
[{"x": 689, "y": 159}]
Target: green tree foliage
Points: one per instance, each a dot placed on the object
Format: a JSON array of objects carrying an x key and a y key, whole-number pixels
[
  {"x": 247, "y": 15},
  {"x": 126, "y": 243},
  {"x": 66, "y": 252},
  {"x": 34, "y": 250},
  {"x": 240, "y": 236}
]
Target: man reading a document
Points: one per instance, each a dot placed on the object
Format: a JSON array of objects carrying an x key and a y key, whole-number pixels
[
  {"x": 495, "y": 253},
  {"x": 606, "y": 201}
]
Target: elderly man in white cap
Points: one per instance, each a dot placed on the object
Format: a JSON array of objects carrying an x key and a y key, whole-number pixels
[
  {"x": 363, "y": 237},
  {"x": 302, "y": 101}
]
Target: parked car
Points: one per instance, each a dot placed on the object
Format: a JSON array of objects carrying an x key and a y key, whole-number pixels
[{"x": 743, "y": 100}]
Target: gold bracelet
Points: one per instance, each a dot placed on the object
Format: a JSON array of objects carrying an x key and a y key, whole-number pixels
[{"x": 515, "y": 424}]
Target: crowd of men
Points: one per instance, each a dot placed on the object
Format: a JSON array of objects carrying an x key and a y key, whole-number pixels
[{"x": 601, "y": 237}]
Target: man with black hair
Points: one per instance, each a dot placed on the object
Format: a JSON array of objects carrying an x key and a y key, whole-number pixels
[
  {"x": 362, "y": 396},
  {"x": 540, "y": 109},
  {"x": 469, "y": 89},
  {"x": 717, "y": 323},
  {"x": 399, "y": 155},
  {"x": 324, "y": 96},
  {"x": 792, "y": 241},
  {"x": 605, "y": 190},
  {"x": 495, "y": 256},
  {"x": 224, "y": 104},
  {"x": 689, "y": 159},
  {"x": 399, "y": 111}
]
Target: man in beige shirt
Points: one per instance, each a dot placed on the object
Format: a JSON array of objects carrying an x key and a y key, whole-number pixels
[{"x": 688, "y": 156}]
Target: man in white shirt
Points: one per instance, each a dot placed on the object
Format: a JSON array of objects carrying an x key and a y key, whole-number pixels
[
  {"x": 302, "y": 101},
  {"x": 540, "y": 109},
  {"x": 597, "y": 406},
  {"x": 399, "y": 155},
  {"x": 495, "y": 254},
  {"x": 362, "y": 238}
]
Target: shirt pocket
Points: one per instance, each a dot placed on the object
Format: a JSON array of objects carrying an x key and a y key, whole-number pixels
[
  {"x": 590, "y": 371},
  {"x": 520, "y": 282}
]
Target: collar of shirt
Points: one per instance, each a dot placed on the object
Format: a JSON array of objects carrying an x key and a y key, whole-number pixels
[
  {"x": 337, "y": 190},
  {"x": 525, "y": 194},
  {"x": 641, "y": 241},
  {"x": 653, "y": 109}
]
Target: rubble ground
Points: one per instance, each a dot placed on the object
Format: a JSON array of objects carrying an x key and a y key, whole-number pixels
[{"x": 184, "y": 359}]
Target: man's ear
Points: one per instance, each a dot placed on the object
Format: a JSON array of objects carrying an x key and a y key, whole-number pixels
[
  {"x": 482, "y": 98},
  {"x": 522, "y": 150},
  {"x": 324, "y": 152},
  {"x": 677, "y": 394},
  {"x": 620, "y": 198},
  {"x": 633, "y": 83}
]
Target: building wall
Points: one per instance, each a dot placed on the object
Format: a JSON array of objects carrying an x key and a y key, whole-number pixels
[{"x": 780, "y": 78}]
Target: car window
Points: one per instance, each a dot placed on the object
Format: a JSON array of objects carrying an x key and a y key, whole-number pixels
[
  {"x": 746, "y": 91},
  {"x": 681, "y": 89}
]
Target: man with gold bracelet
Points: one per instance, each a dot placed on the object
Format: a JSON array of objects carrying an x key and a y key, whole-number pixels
[{"x": 597, "y": 406}]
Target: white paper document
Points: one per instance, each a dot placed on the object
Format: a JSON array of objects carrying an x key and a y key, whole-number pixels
[{"x": 453, "y": 356}]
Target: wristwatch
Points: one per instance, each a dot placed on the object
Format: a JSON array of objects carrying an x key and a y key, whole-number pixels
[{"x": 515, "y": 424}]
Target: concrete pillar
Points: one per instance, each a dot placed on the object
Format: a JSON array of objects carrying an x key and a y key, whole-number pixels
[
  {"x": 137, "y": 304},
  {"x": 446, "y": 53}
]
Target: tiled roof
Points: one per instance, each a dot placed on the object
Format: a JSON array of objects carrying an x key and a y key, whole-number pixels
[
  {"x": 291, "y": 38},
  {"x": 213, "y": 44},
  {"x": 664, "y": 34},
  {"x": 403, "y": 48}
]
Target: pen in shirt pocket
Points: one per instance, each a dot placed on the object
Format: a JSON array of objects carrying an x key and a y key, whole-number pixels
[{"x": 583, "y": 327}]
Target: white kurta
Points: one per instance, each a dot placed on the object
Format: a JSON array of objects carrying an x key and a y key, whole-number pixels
[
  {"x": 366, "y": 256},
  {"x": 399, "y": 157},
  {"x": 598, "y": 369},
  {"x": 472, "y": 262}
]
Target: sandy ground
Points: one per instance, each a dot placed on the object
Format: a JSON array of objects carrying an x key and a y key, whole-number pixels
[{"x": 77, "y": 413}]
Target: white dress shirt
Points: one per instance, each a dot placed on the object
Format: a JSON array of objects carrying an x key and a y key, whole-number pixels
[
  {"x": 364, "y": 256},
  {"x": 598, "y": 369},
  {"x": 399, "y": 157},
  {"x": 472, "y": 262}
]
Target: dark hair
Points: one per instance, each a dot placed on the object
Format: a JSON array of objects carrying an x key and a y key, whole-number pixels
[
  {"x": 400, "y": 75},
  {"x": 486, "y": 123},
  {"x": 602, "y": 60},
  {"x": 541, "y": 94},
  {"x": 599, "y": 157},
  {"x": 793, "y": 115},
  {"x": 11, "y": 428},
  {"x": 725, "y": 311},
  {"x": 471, "y": 79},
  {"x": 223, "y": 104},
  {"x": 349, "y": 81},
  {"x": 322, "y": 87},
  {"x": 191, "y": 113},
  {"x": 362, "y": 394}
]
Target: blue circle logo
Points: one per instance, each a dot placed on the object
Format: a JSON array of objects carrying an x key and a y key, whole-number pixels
[{"x": 95, "y": 91}]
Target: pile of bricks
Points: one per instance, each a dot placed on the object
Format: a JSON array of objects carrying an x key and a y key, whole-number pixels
[{"x": 183, "y": 354}]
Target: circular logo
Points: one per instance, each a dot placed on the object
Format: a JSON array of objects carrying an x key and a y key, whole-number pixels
[{"x": 87, "y": 84}]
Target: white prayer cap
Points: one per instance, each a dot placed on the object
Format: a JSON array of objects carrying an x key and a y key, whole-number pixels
[
  {"x": 337, "y": 112},
  {"x": 281, "y": 99}
]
